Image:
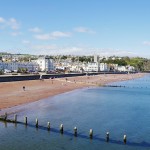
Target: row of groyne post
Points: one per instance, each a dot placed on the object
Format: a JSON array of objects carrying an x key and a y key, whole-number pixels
[
  {"x": 4, "y": 118},
  {"x": 123, "y": 86}
]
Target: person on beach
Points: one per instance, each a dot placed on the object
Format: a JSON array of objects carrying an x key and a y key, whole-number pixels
[
  {"x": 24, "y": 88},
  {"x": 52, "y": 79},
  {"x": 41, "y": 79},
  {"x": 66, "y": 79}
]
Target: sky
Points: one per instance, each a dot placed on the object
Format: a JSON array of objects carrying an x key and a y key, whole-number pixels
[{"x": 75, "y": 27}]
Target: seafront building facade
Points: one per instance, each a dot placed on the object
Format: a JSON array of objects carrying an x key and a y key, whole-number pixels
[
  {"x": 45, "y": 64},
  {"x": 103, "y": 67},
  {"x": 96, "y": 67},
  {"x": 125, "y": 68},
  {"x": 92, "y": 67},
  {"x": 42, "y": 64},
  {"x": 14, "y": 66}
]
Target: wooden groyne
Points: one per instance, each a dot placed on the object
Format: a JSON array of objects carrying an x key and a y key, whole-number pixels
[
  {"x": 114, "y": 86},
  {"x": 61, "y": 130},
  {"x": 123, "y": 86},
  {"x": 5, "y": 119}
]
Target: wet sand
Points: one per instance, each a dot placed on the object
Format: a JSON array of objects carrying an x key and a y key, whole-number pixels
[{"x": 13, "y": 94}]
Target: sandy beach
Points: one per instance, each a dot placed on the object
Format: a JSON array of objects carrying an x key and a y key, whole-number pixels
[{"x": 13, "y": 94}]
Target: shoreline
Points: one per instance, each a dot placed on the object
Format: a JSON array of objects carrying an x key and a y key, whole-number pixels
[{"x": 12, "y": 93}]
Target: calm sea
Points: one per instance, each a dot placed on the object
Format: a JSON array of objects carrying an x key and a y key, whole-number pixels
[{"x": 117, "y": 110}]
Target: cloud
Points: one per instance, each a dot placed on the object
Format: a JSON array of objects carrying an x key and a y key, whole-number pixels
[
  {"x": 84, "y": 30},
  {"x": 72, "y": 50},
  {"x": 12, "y": 22},
  {"x": 146, "y": 43},
  {"x": 109, "y": 52},
  {"x": 58, "y": 34},
  {"x": 44, "y": 47},
  {"x": 53, "y": 35},
  {"x": 26, "y": 42},
  {"x": 52, "y": 49},
  {"x": 2, "y": 23},
  {"x": 43, "y": 36},
  {"x": 2, "y": 20},
  {"x": 35, "y": 30},
  {"x": 77, "y": 50},
  {"x": 16, "y": 33}
]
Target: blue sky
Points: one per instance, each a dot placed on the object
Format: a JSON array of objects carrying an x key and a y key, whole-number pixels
[{"x": 79, "y": 27}]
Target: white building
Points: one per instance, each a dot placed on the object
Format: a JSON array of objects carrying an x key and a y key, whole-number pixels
[
  {"x": 14, "y": 66},
  {"x": 30, "y": 66},
  {"x": 45, "y": 64},
  {"x": 96, "y": 67},
  {"x": 130, "y": 68},
  {"x": 126, "y": 68},
  {"x": 41, "y": 64},
  {"x": 11, "y": 65},
  {"x": 75, "y": 68},
  {"x": 103, "y": 67},
  {"x": 96, "y": 58},
  {"x": 92, "y": 67},
  {"x": 122, "y": 68}
]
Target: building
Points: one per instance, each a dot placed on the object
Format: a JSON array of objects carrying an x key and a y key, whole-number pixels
[
  {"x": 92, "y": 67},
  {"x": 103, "y": 67},
  {"x": 45, "y": 64},
  {"x": 41, "y": 64},
  {"x": 96, "y": 58},
  {"x": 130, "y": 68},
  {"x": 122, "y": 68},
  {"x": 14, "y": 66}
]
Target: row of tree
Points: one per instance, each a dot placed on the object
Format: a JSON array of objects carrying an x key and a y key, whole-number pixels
[{"x": 140, "y": 64}]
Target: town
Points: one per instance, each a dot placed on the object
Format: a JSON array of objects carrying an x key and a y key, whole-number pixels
[{"x": 21, "y": 63}]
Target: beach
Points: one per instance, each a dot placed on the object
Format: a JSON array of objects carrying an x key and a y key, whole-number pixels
[{"x": 13, "y": 93}]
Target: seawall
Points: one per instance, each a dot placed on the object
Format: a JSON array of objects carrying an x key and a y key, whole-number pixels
[{"x": 47, "y": 76}]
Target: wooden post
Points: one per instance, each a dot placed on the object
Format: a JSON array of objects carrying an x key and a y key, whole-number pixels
[
  {"x": 61, "y": 128},
  {"x": 125, "y": 139},
  {"x": 25, "y": 120},
  {"x": 5, "y": 117},
  {"x": 91, "y": 133},
  {"x": 15, "y": 118},
  {"x": 75, "y": 131},
  {"x": 5, "y": 124},
  {"x": 107, "y": 136},
  {"x": 37, "y": 123},
  {"x": 48, "y": 125}
]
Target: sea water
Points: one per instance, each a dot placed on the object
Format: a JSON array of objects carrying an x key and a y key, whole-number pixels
[{"x": 120, "y": 111}]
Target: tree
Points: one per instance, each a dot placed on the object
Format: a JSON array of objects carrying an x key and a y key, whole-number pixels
[
  {"x": 1, "y": 72},
  {"x": 64, "y": 57},
  {"x": 73, "y": 59},
  {"x": 22, "y": 70}
]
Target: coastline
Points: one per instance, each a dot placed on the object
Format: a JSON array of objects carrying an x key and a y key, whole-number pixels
[{"x": 12, "y": 93}]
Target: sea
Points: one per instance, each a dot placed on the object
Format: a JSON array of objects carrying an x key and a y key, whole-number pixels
[{"x": 121, "y": 108}]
